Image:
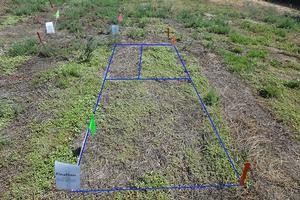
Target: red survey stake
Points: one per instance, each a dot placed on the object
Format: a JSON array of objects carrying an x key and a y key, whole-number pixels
[{"x": 245, "y": 171}]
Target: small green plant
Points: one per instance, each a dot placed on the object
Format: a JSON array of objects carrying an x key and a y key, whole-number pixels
[
  {"x": 239, "y": 63},
  {"x": 219, "y": 29},
  {"x": 257, "y": 54},
  {"x": 24, "y": 48},
  {"x": 211, "y": 98},
  {"x": 88, "y": 51},
  {"x": 270, "y": 91},
  {"x": 293, "y": 84},
  {"x": 237, "y": 49},
  {"x": 137, "y": 33},
  {"x": 280, "y": 32},
  {"x": 46, "y": 51},
  {"x": 241, "y": 39},
  {"x": 143, "y": 22}
]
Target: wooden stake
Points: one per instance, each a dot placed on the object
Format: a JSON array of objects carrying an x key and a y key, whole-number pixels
[
  {"x": 39, "y": 36},
  {"x": 51, "y": 4},
  {"x": 244, "y": 175},
  {"x": 168, "y": 32}
]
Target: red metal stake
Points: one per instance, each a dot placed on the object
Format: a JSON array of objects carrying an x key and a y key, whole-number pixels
[
  {"x": 39, "y": 36},
  {"x": 244, "y": 175}
]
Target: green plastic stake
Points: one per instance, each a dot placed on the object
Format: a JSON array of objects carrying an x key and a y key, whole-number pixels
[
  {"x": 92, "y": 126},
  {"x": 57, "y": 14}
]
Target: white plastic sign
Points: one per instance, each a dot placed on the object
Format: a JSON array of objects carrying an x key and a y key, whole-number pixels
[
  {"x": 67, "y": 176},
  {"x": 115, "y": 30},
  {"x": 50, "y": 27}
]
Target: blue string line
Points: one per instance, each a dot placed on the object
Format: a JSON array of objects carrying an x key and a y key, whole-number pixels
[
  {"x": 106, "y": 72},
  {"x": 187, "y": 79},
  {"x": 140, "y": 64},
  {"x": 149, "y": 79},
  {"x": 158, "y": 188},
  {"x": 163, "y": 44},
  {"x": 83, "y": 146},
  {"x": 97, "y": 102},
  {"x": 210, "y": 120}
]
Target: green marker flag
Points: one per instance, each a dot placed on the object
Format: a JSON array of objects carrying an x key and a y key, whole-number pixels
[
  {"x": 57, "y": 14},
  {"x": 92, "y": 126}
]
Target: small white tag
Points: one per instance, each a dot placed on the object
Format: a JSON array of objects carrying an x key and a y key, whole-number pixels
[
  {"x": 50, "y": 27},
  {"x": 67, "y": 176}
]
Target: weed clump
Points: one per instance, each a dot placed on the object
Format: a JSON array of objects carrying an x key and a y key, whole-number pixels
[
  {"x": 24, "y": 48},
  {"x": 211, "y": 98},
  {"x": 270, "y": 91},
  {"x": 293, "y": 84},
  {"x": 86, "y": 56}
]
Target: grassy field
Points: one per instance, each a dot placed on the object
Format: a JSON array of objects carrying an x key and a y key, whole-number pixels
[{"x": 152, "y": 133}]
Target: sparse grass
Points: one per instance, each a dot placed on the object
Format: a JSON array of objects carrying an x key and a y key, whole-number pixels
[
  {"x": 52, "y": 140},
  {"x": 9, "y": 64},
  {"x": 9, "y": 20},
  {"x": 79, "y": 11},
  {"x": 270, "y": 91},
  {"x": 24, "y": 48},
  {"x": 239, "y": 63},
  {"x": 29, "y": 7},
  {"x": 6, "y": 113},
  {"x": 161, "y": 62},
  {"x": 136, "y": 34}
]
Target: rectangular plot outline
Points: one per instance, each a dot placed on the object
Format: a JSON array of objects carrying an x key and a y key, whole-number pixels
[{"x": 190, "y": 80}]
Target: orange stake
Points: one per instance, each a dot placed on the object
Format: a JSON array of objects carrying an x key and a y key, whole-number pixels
[
  {"x": 244, "y": 175},
  {"x": 173, "y": 40},
  {"x": 39, "y": 36}
]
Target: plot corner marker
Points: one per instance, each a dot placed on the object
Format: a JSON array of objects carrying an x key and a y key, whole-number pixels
[
  {"x": 57, "y": 14},
  {"x": 51, "y": 4},
  {"x": 120, "y": 19},
  {"x": 39, "y": 36},
  {"x": 247, "y": 166},
  {"x": 92, "y": 125}
]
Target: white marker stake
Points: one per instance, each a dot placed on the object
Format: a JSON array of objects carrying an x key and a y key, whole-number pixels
[
  {"x": 115, "y": 30},
  {"x": 67, "y": 176},
  {"x": 50, "y": 27}
]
